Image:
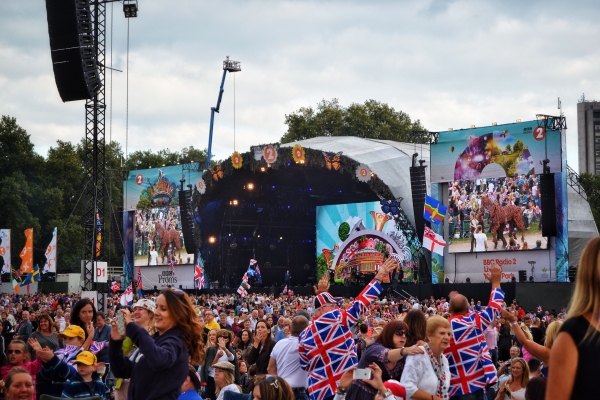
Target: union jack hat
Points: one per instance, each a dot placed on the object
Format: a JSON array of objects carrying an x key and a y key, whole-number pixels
[{"x": 325, "y": 298}]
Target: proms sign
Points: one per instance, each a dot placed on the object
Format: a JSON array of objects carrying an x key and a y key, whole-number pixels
[{"x": 162, "y": 277}]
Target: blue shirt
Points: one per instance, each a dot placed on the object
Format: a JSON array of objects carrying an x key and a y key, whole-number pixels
[{"x": 191, "y": 394}]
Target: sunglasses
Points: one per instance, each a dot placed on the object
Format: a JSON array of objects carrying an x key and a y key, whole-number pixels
[
  {"x": 272, "y": 380},
  {"x": 14, "y": 351},
  {"x": 401, "y": 333},
  {"x": 179, "y": 292}
]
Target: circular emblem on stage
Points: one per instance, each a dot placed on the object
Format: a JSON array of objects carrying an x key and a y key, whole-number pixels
[
  {"x": 299, "y": 154},
  {"x": 139, "y": 179},
  {"x": 270, "y": 154},
  {"x": 363, "y": 173},
  {"x": 200, "y": 185},
  {"x": 236, "y": 160},
  {"x": 539, "y": 133}
]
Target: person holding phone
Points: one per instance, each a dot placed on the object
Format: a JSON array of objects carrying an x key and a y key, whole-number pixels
[{"x": 514, "y": 387}]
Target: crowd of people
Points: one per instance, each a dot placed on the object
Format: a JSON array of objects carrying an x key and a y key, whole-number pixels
[{"x": 171, "y": 345}]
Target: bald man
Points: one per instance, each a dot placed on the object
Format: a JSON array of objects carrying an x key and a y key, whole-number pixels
[{"x": 471, "y": 367}]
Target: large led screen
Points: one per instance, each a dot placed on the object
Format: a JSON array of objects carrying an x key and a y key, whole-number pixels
[{"x": 505, "y": 209}]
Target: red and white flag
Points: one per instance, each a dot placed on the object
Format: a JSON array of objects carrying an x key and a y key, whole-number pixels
[
  {"x": 242, "y": 292},
  {"x": 433, "y": 242},
  {"x": 284, "y": 290},
  {"x": 115, "y": 286}
]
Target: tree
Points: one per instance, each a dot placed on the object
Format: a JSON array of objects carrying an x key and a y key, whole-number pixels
[
  {"x": 372, "y": 120},
  {"x": 591, "y": 185}
]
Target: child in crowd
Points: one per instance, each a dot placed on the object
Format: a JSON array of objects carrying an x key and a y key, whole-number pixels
[
  {"x": 17, "y": 357},
  {"x": 87, "y": 382}
]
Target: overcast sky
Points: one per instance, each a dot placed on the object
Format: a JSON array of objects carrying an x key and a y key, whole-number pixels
[{"x": 446, "y": 63}]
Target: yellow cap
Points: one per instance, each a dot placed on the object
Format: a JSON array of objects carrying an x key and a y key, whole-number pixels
[
  {"x": 86, "y": 358},
  {"x": 72, "y": 331}
]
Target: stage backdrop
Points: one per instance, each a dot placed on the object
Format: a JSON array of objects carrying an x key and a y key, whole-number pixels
[
  {"x": 494, "y": 151},
  {"x": 355, "y": 238},
  {"x": 162, "y": 277}
]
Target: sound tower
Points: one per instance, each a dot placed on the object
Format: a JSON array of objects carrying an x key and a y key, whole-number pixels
[
  {"x": 187, "y": 226},
  {"x": 548, "y": 199},
  {"x": 522, "y": 275},
  {"x": 418, "y": 185},
  {"x": 71, "y": 49}
]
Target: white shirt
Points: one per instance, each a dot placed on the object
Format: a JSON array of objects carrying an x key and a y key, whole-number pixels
[
  {"x": 285, "y": 354},
  {"x": 419, "y": 374},
  {"x": 480, "y": 239},
  {"x": 153, "y": 257},
  {"x": 233, "y": 387}
]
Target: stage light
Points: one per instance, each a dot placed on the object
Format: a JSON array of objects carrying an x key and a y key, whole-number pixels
[
  {"x": 212, "y": 240},
  {"x": 472, "y": 126},
  {"x": 233, "y": 203},
  {"x": 450, "y": 129},
  {"x": 263, "y": 169},
  {"x": 280, "y": 237},
  {"x": 250, "y": 186},
  {"x": 518, "y": 119},
  {"x": 494, "y": 123},
  {"x": 301, "y": 161},
  {"x": 258, "y": 236},
  {"x": 468, "y": 280},
  {"x": 130, "y": 8},
  {"x": 233, "y": 245}
]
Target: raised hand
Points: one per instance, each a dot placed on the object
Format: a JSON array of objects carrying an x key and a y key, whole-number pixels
[
  {"x": 35, "y": 345},
  {"x": 494, "y": 275},
  {"x": 388, "y": 266},
  {"x": 323, "y": 285}
]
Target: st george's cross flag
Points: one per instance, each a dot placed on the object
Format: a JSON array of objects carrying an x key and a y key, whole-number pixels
[
  {"x": 115, "y": 286},
  {"x": 434, "y": 211},
  {"x": 433, "y": 242}
]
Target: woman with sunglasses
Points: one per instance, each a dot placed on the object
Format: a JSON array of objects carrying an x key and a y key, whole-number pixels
[
  {"x": 271, "y": 387},
  {"x": 163, "y": 368},
  {"x": 260, "y": 353},
  {"x": 221, "y": 352},
  {"x": 515, "y": 386},
  {"x": 389, "y": 353}
]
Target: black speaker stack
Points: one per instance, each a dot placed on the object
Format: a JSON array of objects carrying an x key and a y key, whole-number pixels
[
  {"x": 187, "y": 225},
  {"x": 548, "y": 198},
  {"x": 72, "y": 49},
  {"x": 418, "y": 185},
  {"x": 522, "y": 275}
]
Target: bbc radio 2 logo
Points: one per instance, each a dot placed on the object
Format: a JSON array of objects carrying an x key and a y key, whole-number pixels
[{"x": 538, "y": 133}]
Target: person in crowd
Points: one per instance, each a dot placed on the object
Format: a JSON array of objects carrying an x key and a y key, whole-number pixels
[
  {"x": 143, "y": 316},
  {"x": 271, "y": 387},
  {"x": 17, "y": 354},
  {"x": 417, "y": 327},
  {"x": 224, "y": 380},
  {"x": 536, "y": 331},
  {"x": 514, "y": 387},
  {"x": 244, "y": 377},
  {"x": 191, "y": 386},
  {"x": 223, "y": 324},
  {"x": 245, "y": 343},
  {"x": 504, "y": 339},
  {"x": 87, "y": 382},
  {"x": 24, "y": 329},
  {"x": 473, "y": 223},
  {"x": 18, "y": 385},
  {"x": 7, "y": 330},
  {"x": 246, "y": 325},
  {"x": 467, "y": 340},
  {"x": 84, "y": 316},
  {"x": 536, "y": 388},
  {"x": 504, "y": 369},
  {"x": 285, "y": 332},
  {"x": 491, "y": 340},
  {"x": 389, "y": 353},
  {"x": 211, "y": 323},
  {"x": 535, "y": 367},
  {"x": 262, "y": 346},
  {"x": 575, "y": 355},
  {"x": 221, "y": 352},
  {"x": 60, "y": 318},
  {"x": 428, "y": 374},
  {"x": 328, "y": 337},
  {"x": 162, "y": 370},
  {"x": 102, "y": 335},
  {"x": 211, "y": 338},
  {"x": 45, "y": 335},
  {"x": 480, "y": 239},
  {"x": 536, "y": 350},
  {"x": 285, "y": 362}
]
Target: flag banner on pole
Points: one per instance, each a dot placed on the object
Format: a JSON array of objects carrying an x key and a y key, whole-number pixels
[
  {"x": 15, "y": 279},
  {"x": 242, "y": 292},
  {"x": 5, "y": 250},
  {"x": 50, "y": 265},
  {"x": 284, "y": 290},
  {"x": 115, "y": 286},
  {"x": 33, "y": 276},
  {"x": 27, "y": 252},
  {"x": 127, "y": 296},
  {"x": 138, "y": 283},
  {"x": 199, "y": 273},
  {"x": 434, "y": 211},
  {"x": 433, "y": 242},
  {"x": 98, "y": 235}
]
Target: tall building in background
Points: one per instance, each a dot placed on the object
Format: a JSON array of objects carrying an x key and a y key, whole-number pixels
[{"x": 588, "y": 136}]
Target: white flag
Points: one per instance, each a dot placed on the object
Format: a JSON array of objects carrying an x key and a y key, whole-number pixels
[
  {"x": 433, "y": 242},
  {"x": 50, "y": 265}
]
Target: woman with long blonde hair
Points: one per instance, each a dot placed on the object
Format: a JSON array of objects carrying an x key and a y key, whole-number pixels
[
  {"x": 515, "y": 386},
  {"x": 575, "y": 356}
]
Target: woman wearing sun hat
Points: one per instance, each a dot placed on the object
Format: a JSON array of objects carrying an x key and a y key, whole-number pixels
[{"x": 224, "y": 379}]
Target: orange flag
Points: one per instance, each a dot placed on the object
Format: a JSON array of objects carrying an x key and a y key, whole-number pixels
[{"x": 27, "y": 253}]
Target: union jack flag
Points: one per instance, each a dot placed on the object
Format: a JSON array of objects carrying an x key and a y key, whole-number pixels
[
  {"x": 115, "y": 286},
  {"x": 95, "y": 347},
  {"x": 67, "y": 354},
  {"x": 138, "y": 282},
  {"x": 127, "y": 296},
  {"x": 471, "y": 366},
  {"x": 284, "y": 290},
  {"x": 326, "y": 347},
  {"x": 199, "y": 274}
]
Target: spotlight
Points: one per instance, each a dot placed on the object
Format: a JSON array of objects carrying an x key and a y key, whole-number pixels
[
  {"x": 130, "y": 8},
  {"x": 468, "y": 280},
  {"x": 263, "y": 169},
  {"x": 233, "y": 203},
  {"x": 518, "y": 119},
  {"x": 494, "y": 123},
  {"x": 450, "y": 129},
  {"x": 250, "y": 186},
  {"x": 212, "y": 240},
  {"x": 280, "y": 237},
  {"x": 472, "y": 126}
]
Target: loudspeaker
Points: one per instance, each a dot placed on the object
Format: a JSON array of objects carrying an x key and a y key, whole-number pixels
[
  {"x": 548, "y": 199},
  {"x": 418, "y": 185},
  {"x": 522, "y": 275},
  {"x": 71, "y": 41},
  {"x": 187, "y": 226},
  {"x": 572, "y": 271}
]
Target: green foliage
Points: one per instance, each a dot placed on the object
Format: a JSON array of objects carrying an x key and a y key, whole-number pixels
[
  {"x": 321, "y": 266},
  {"x": 508, "y": 148},
  {"x": 143, "y": 159},
  {"x": 591, "y": 185},
  {"x": 344, "y": 231},
  {"x": 380, "y": 247},
  {"x": 372, "y": 120},
  {"x": 519, "y": 146}
]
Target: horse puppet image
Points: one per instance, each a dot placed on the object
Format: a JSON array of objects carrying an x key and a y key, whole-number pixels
[
  {"x": 502, "y": 215},
  {"x": 167, "y": 236}
]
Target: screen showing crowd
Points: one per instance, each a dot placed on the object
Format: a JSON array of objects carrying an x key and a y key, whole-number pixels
[
  {"x": 495, "y": 214},
  {"x": 158, "y": 237}
]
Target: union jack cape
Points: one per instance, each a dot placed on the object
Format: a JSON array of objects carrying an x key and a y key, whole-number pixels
[
  {"x": 326, "y": 346},
  {"x": 471, "y": 366}
]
